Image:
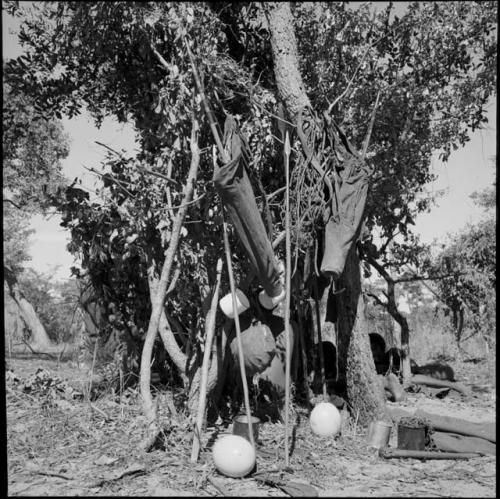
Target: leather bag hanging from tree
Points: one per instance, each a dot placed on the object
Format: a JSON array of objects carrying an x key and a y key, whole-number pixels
[
  {"x": 344, "y": 213},
  {"x": 233, "y": 185}
]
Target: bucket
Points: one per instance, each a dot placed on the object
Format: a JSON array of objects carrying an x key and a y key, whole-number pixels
[
  {"x": 240, "y": 426},
  {"x": 226, "y": 303},
  {"x": 411, "y": 438},
  {"x": 378, "y": 434}
]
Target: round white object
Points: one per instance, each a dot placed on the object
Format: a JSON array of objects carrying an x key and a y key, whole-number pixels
[
  {"x": 226, "y": 303},
  {"x": 325, "y": 420},
  {"x": 270, "y": 302},
  {"x": 233, "y": 456}
]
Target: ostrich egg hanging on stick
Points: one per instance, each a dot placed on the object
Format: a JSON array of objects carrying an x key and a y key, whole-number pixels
[
  {"x": 325, "y": 420},
  {"x": 233, "y": 456}
]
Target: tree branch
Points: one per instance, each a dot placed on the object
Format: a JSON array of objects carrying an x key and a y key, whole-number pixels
[
  {"x": 377, "y": 299},
  {"x": 108, "y": 176},
  {"x": 370, "y": 128},
  {"x": 5, "y": 200},
  {"x": 426, "y": 278},
  {"x": 157, "y": 303}
]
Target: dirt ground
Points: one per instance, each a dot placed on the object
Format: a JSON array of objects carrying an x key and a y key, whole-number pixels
[{"x": 58, "y": 445}]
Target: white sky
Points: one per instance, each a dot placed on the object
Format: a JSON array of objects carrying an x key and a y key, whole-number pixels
[{"x": 468, "y": 170}]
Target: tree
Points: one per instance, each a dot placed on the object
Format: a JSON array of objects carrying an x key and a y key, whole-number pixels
[
  {"x": 55, "y": 303},
  {"x": 32, "y": 152},
  {"x": 470, "y": 259},
  {"x": 16, "y": 236},
  {"x": 431, "y": 73},
  {"x": 33, "y": 148}
]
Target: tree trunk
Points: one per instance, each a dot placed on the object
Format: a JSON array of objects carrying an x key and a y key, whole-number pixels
[
  {"x": 355, "y": 360},
  {"x": 20, "y": 316},
  {"x": 157, "y": 305},
  {"x": 286, "y": 64},
  {"x": 167, "y": 337},
  {"x": 364, "y": 391},
  {"x": 405, "y": 351}
]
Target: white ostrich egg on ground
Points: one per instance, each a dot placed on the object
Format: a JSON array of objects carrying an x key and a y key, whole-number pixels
[
  {"x": 325, "y": 420},
  {"x": 233, "y": 456}
]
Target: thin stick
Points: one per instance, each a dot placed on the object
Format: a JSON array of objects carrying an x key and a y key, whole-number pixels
[
  {"x": 302, "y": 348},
  {"x": 320, "y": 339},
  {"x": 370, "y": 128},
  {"x": 210, "y": 329},
  {"x": 204, "y": 99},
  {"x": 238, "y": 330},
  {"x": 287, "y": 301},
  {"x": 92, "y": 370}
]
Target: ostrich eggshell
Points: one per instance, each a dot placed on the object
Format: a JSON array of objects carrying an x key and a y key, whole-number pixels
[
  {"x": 233, "y": 456},
  {"x": 325, "y": 420}
]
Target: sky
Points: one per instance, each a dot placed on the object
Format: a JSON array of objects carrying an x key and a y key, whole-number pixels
[{"x": 468, "y": 170}]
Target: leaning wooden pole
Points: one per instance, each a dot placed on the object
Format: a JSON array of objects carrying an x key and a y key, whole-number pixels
[
  {"x": 241, "y": 358},
  {"x": 209, "y": 336},
  {"x": 287, "y": 300},
  {"x": 225, "y": 159}
]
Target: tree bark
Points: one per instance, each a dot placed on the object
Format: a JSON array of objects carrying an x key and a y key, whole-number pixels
[
  {"x": 285, "y": 56},
  {"x": 355, "y": 359}
]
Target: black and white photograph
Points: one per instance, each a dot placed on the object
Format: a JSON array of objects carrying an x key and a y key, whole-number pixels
[{"x": 249, "y": 248}]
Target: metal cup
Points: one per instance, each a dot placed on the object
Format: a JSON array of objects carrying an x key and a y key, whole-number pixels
[
  {"x": 240, "y": 426},
  {"x": 378, "y": 434}
]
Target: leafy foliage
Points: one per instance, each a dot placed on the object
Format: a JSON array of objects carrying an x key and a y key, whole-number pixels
[
  {"x": 471, "y": 259},
  {"x": 16, "y": 236},
  {"x": 33, "y": 148},
  {"x": 435, "y": 69}
]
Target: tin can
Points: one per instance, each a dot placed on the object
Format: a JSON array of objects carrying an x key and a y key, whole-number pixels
[
  {"x": 411, "y": 438},
  {"x": 379, "y": 433},
  {"x": 240, "y": 426}
]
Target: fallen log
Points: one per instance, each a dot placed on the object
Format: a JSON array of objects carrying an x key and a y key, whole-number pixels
[
  {"x": 449, "y": 424},
  {"x": 452, "y": 442},
  {"x": 388, "y": 453},
  {"x": 423, "y": 379}
]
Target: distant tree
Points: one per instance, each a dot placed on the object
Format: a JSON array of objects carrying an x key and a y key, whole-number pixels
[
  {"x": 33, "y": 148},
  {"x": 56, "y": 303},
  {"x": 470, "y": 259}
]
